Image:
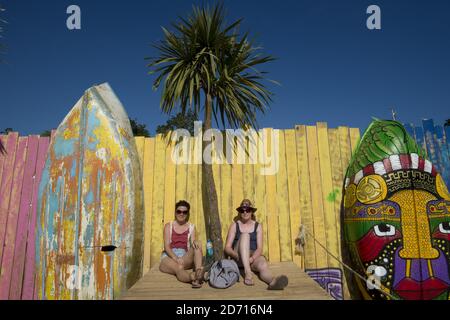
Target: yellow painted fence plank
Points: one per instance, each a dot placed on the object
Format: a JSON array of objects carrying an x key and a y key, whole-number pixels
[
  {"x": 327, "y": 194},
  {"x": 293, "y": 190}
]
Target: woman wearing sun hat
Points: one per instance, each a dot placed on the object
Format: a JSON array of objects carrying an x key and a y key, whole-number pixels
[{"x": 244, "y": 245}]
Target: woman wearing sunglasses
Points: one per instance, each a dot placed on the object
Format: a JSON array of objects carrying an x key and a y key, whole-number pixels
[
  {"x": 244, "y": 245},
  {"x": 181, "y": 250}
]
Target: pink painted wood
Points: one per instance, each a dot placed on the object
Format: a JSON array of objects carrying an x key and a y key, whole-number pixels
[
  {"x": 5, "y": 188},
  {"x": 28, "y": 288},
  {"x": 3, "y": 139},
  {"x": 15, "y": 291},
  {"x": 13, "y": 214}
]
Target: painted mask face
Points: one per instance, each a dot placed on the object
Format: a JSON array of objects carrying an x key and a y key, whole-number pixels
[{"x": 396, "y": 218}]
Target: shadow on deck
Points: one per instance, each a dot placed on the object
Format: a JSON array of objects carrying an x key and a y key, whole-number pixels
[{"x": 156, "y": 285}]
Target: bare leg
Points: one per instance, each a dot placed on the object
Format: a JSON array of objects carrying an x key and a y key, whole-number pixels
[
  {"x": 169, "y": 266},
  {"x": 198, "y": 255},
  {"x": 194, "y": 257},
  {"x": 261, "y": 267},
  {"x": 188, "y": 258},
  {"x": 244, "y": 254}
]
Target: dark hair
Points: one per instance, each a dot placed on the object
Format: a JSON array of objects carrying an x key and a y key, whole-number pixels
[{"x": 183, "y": 203}]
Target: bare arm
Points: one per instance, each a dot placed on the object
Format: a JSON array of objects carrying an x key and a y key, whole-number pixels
[
  {"x": 194, "y": 243},
  {"x": 229, "y": 244},
  {"x": 259, "y": 244}
]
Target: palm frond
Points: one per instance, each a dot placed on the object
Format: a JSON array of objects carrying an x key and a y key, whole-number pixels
[{"x": 204, "y": 55}]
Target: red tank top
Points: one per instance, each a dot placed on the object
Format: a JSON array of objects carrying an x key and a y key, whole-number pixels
[{"x": 179, "y": 240}]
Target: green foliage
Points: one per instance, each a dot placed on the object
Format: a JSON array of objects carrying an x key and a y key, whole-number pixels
[
  {"x": 203, "y": 56},
  {"x": 7, "y": 130},
  {"x": 139, "y": 129},
  {"x": 46, "y": 133},
  {"x": 179, "y": 121},
  {"x": 380, "y": 140},
  {"x": 2, "y": 147}
]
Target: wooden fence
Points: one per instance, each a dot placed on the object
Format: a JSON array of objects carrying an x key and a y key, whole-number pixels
[
  {"x": 20, "y": 174},
  {"x": 306, "y": 189}
]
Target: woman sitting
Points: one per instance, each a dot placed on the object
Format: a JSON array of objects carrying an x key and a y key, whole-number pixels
[
  {"x": 244, "y": 245},
  {"x": 181, "y": 250}
]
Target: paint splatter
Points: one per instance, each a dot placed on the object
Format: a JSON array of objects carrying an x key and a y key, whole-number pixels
[{"x": 333, "y": 195}]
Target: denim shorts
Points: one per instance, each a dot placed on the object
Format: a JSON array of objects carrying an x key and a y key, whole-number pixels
[{"x": 179, "y": 252}]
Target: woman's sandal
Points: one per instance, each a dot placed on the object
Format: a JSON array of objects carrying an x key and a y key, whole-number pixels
[{"x": 198, "y": 278}]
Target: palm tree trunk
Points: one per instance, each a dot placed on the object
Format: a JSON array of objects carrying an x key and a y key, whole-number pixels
[{"x": 209, "y": 194}]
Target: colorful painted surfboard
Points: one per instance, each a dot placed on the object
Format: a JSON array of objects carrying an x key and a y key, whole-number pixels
[
  {"x": 396, "y": 218},
  {"x": 89, "y": 239}
]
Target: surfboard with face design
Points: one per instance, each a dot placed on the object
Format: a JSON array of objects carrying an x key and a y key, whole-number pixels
[
  {"x": 396, "y": 218},
  {"x": 90, "y": 211}
]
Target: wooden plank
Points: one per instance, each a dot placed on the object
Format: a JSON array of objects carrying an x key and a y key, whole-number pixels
[
  {"x": 169, "y": 184},
  {"x": 351, "y": 137},
  {"x": 181, "y": 180},
  {"x": 201, "y": 222},
  {"x": 354, "y": 138},
  {"x": 140, "y": 149},
  {"x": 148, "y": 174},
  {"x": 293, "y": 190},
  {"x": 345, "y": 148},
  {"x": 229, "y": 206},
  {"x": 6, "y": 187},
  {"x": 15, "y": 291},
  {"x": 327, "y": 192},
  {"x": 227, "y": 211},
  {"x": 157, "y": 285},
  {"x": 192, "y": 192},
  {"x": 3, "y": 140},
  {"x": 271, "y": 204},
  {"x": 247, "y": 171},
  {"x": 157, "y": 244},
  {"x": 260, "y": 199},
  {"x": 337, "y": 177},
  {"x": 282, "y": 198},
  {"x": 316, "y": 197},
  {"x": 13, "y": 213},
  {"x": 28, "y": 291},
  {"x": 306, "y": 213},
  {"x": 341, "y": 136},
  {"x": 216, "y": 168},
  {"x": 249, "y": 182},
  {"x": 237, "y": 182}
]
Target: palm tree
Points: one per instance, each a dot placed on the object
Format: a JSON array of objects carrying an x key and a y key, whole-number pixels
[{"x": 204, "y": 59}]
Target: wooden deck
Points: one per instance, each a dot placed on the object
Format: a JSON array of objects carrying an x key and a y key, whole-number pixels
[{"x": 156, "y": 285}]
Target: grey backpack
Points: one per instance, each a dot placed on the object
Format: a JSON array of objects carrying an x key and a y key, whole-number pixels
[{"x": 223, "y": 274}]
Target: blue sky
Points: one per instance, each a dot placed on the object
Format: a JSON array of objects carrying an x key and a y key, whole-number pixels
[{"x": 330, "y": 66}]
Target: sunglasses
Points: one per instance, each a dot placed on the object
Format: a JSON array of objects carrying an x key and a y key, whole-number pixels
[
  {"x": 245, "y": 210},
  {"x": 182, "y": 211}
]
